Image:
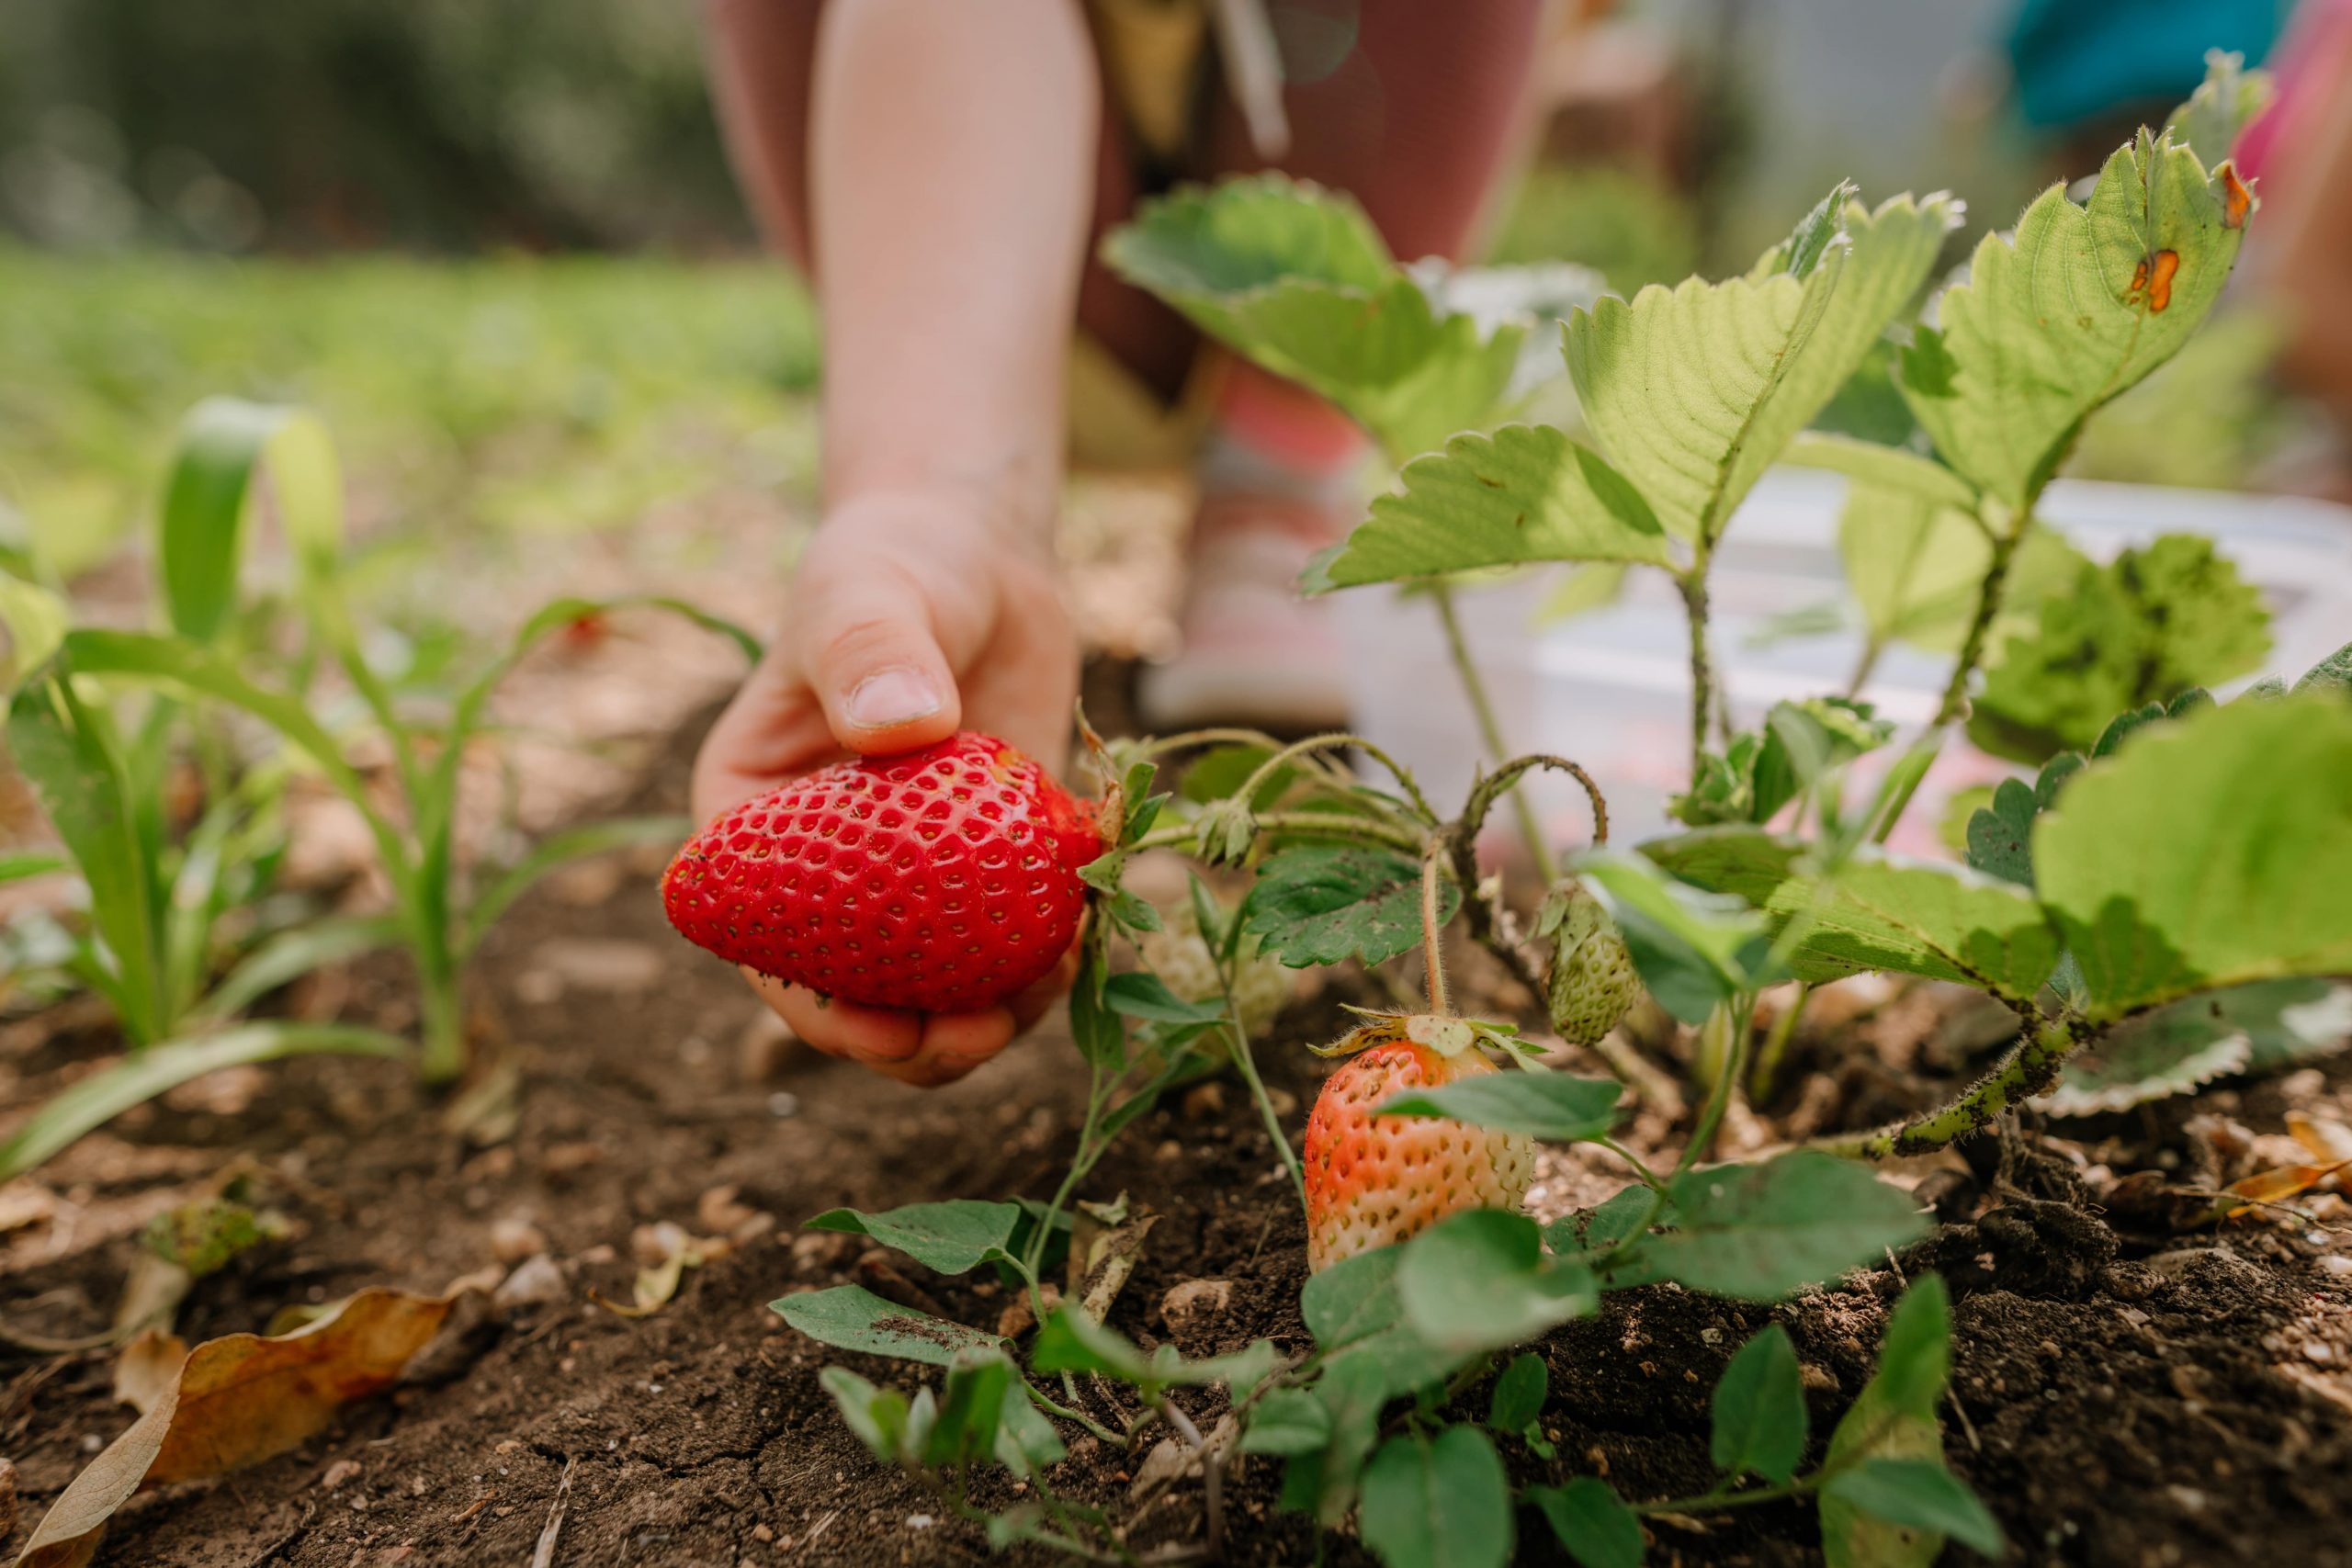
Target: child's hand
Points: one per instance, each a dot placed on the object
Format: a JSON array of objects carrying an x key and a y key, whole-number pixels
[{"x": 908, "y": 619}]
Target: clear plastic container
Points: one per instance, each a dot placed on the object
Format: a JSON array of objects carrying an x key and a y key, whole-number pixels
[{"x": 1611, "y": 688}]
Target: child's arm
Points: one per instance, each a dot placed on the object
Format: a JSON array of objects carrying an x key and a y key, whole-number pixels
[{"x": 951, "y": 174}]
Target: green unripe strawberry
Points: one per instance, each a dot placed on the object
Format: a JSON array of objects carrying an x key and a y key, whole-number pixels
[
  {"x": 1179, "y": 954},
  {"x": 1592, "y": 982}
]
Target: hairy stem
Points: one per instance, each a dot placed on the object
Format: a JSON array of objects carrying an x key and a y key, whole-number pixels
[
  {"x": 2027, "y": 1071},
  {"x": 1245, "y": 1060},
  {"x": 1432, "y": 944},
  {"x": 1980, "y": 624},
  {"x": 1491, "y": 731},
  {"x": 1693, "y": 584}
]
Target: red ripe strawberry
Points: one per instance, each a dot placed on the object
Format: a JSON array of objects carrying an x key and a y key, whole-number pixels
[
  {"x": 1372, "y": 1179},
  {"x": 942, "y": 880}
]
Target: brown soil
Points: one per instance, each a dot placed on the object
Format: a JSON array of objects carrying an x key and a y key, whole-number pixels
[{"x": 2121, "y": 1397}]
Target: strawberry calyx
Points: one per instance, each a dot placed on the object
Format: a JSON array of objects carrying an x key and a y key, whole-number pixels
[{"x": 1444, "y": 1033}]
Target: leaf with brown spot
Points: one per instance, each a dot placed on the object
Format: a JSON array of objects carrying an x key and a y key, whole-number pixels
[{"x": 238, "y": 1400}]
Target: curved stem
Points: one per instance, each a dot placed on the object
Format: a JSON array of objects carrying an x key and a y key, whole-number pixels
[
  {"x": 1483, "y": 794},
  {"x": 1650, "y": 1178},
  {"x": 2028, "y": 1071},
  {"x": 1320, "y": 824},
  {"x": 1490, "y": 730}
]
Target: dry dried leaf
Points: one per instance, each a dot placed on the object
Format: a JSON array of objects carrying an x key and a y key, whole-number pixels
[
  {"x": 147, "y": 1369},
  {"x": 239, "y": 1400},
  {"x": 2277, "y": 1186}
]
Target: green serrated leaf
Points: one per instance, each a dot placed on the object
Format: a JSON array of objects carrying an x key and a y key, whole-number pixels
[
  {"x": 1480, "y": 1280},
  {"x": 2332, "y": 673},
  {"x": 1592, "y": 1522},
  {"x": 2148, "y": 626},
  {"x": 1147, "y": 996},
  {"x": 1297, "y": 279},
  {"x": 2267, "y": 1025},
  {"x": 1760, "y": 1231},
  {"x": 2080, "y": 304},
  {"x": 1551, "y": 1106},
  {"x": 1524, "y": 493},
  {"x": 1919, "y": 1494},
  {"x": 1757, "y": 1412},
  {"x": 954, "y": 1237},
  {"x": 1879, "y": 911},
  {"x": 1437, "y": 1503},
  {"x": 851, "y": 1317},
  {"x": 1693, "y": 392},
  {"x": 1328, "y": 903},
  {"x": 2210, "y": 851}
]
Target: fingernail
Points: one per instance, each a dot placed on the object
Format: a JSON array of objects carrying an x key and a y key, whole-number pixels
[{"x": 891, "y": 696}]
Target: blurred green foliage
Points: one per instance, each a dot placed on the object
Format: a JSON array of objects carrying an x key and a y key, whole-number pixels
[
  {"x": 502, "y": 394},
  {"x": 300, "y": 123},
  {"x": 1630, "y": 230}
]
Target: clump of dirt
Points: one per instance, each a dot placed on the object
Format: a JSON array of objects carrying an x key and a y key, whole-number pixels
[{"x": 2128, "y": 1399}]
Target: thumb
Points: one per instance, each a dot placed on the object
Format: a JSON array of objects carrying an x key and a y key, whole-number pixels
[{"x": 874, "y": 662}]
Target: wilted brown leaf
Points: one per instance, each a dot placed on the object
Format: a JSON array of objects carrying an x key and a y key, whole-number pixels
[
  {"x": 148, "y": 1368},
  {"x": 2277, "y": 1186},
  {"x": 238, "y": 1400}
]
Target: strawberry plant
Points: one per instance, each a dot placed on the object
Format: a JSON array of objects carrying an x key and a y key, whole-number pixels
[
  {"x": 2162, "y": 895},
  {"x": 155, "y": 902}
]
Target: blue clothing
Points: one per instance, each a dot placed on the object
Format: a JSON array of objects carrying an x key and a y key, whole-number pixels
[{"x": 2078, "y": 60}]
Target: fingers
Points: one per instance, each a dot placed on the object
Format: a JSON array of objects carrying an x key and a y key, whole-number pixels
[
  {"x": 924, "y": 1050},
  {"x": 867, "y": 644}
]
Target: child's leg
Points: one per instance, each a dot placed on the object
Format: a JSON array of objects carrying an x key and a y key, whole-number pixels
[{"x": 1414, "y": 110}]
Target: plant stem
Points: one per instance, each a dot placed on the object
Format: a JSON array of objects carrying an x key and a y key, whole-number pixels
[
  {"x": 1693, "y": 584},
  {"x": 1724, "y": 1499},
  {"x": 2029, "y": 1070},
  {"x": 1980, "y": 624},
  {"x": 1246, "y": 1060},
  {"x": 443, "y": 1021},
  {"x": 1432, "y": 946},
  {"x": 1052, "y": 1406},
  {"x": 1735, "y": 1019},
  {"x": 1491, "y": 731},
  {"x": 1776, "y": 1044},
  {"x": 1079, "y": 1164},
  {"x": 1873, "y": 648},
  {"x": 1650, "y": 1178},
  {"x": 1321, "y": 824}
]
